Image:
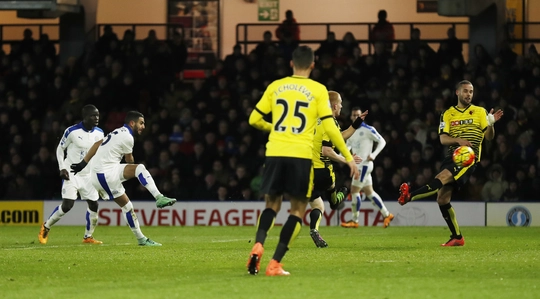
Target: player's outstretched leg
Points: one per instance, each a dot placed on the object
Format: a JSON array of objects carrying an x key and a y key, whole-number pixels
[
  {"x": 404, "y": 195},
  {"x": 145, "y": 178}
]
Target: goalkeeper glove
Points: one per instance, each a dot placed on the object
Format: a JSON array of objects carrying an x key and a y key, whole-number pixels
[
  {"x": 490, "y": 119},
  {"x": 78, "y": 167}
]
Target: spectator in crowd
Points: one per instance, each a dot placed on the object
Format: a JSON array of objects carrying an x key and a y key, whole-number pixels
[
  {"x": 383, "y": 31},
  {"x": 289, "y": 28}
]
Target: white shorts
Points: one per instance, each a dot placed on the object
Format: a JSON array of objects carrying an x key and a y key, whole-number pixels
[
  {"x": 79, "y": 184},
  {"x": 108, "y": 182},
  {"x": 365, "y": 175}
]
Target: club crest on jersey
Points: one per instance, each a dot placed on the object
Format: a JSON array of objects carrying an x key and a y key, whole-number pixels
[
  {"x": 461, "y": 122},
  {"x": 442, "y": 125}
]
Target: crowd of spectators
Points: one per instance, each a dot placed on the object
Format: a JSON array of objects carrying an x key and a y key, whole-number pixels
[{"x": 198, "y": 144}]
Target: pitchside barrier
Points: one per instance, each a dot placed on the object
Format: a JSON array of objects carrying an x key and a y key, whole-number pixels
[{"x": 208, "y": 213}]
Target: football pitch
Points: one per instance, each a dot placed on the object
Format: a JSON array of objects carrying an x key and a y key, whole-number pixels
[{"x": 209, "y": 262}]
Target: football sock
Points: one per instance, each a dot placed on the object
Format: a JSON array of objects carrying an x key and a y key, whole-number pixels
[
  {"x": 131, "y": 219},
  {"x": 56, "y": 214},
  {"x": 426, "y": 190},
  {"x": 376, "y": 199},
  {"x": 331, "y": 195},
  {"x": 449, "y": 216},
  {"x": 91, "y": 222},
  {"x": 145, "y": 178},
  {"x": 265, "y": 224},
  {"x": 290, "y": 230},
  {"x": 356, "y": 203},
  {"x": 315, "y": 219}
]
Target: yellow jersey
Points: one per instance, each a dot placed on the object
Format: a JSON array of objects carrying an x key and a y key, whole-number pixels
[
  {"x": 296, "y": 104},
  {"x": 321, "y": 139},
  {"x": 469, "y": 123}
]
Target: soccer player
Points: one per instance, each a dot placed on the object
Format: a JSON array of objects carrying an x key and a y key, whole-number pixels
[
  {"x": 361, "y": 144},
  {"x": 73, "y": 146},
  {"x": 462, "y": 124},
  {"x": 296, "y": 103},
  {"x": 107, "y": 173},
  {"x": 324, "y": 178}
]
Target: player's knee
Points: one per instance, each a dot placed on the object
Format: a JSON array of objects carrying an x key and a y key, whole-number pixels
[
  {"x": 93, "y": 205},
  {"x": 67, "y": 205},
  {"x": 140, "y": 168}
]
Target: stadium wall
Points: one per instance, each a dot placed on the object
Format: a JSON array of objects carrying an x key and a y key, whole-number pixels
[{"x": 208, "y": 213}]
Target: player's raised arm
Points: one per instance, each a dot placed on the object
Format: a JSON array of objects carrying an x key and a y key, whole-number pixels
[{"x": 347, "y": 133}]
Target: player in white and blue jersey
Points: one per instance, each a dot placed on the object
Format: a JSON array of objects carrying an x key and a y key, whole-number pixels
[
  {"x": 361, "y": 144},
  {"x": 73, "y": 146},
  {"x": 107, "y": 173}
]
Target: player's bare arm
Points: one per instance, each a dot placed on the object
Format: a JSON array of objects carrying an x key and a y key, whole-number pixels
[
  {"x": 489, "y": 134},
  {"x": 447, "y": 140},
  {"x": 330, "y": 153},
  {"x": 354, "y": 126},
  {"x": 129, "y": 159}
]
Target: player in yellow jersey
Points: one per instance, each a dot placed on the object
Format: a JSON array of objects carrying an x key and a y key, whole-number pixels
[
  {"x": 462, "y": 124},
  {"x": 324, "y": 178},
  {"x": 296, "y": 102}
]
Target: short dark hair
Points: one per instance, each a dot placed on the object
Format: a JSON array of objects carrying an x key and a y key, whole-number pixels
[
  {"x": 88, "y": 109},
  {"x": 355, "y": 108},
  {"x": 133, "y": 116},
  {"x": 302, "y": 57},
  {"x": 462, "y": 82},
  {"x": 382, "y": 14}
]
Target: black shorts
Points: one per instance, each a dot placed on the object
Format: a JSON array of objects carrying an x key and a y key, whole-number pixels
[
  {"x": 293, "y": 176},
  {"x": 461, "y": 175},
  {"x": 323, "y": 180}
]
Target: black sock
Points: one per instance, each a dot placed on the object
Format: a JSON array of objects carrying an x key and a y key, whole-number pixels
[
  {"x": 427, "y": 190},
  {"x": 266, "y": 222},
  {"x": 314, "y": 217},
  {"x": 290, "y": 230},
  {"x": 449, "y": 216}
]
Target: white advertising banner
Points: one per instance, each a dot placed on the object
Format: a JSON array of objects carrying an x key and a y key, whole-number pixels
[
  {"x": 246, "y": 214},
  {"x": 513, "y": 214}
]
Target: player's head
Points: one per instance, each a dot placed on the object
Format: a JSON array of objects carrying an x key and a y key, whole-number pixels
[
  {"x": 90, "y": 115},
  {"x": 135, "y": 120},
  {"x": 335, "y": 103},
  {"x": 355, "y": 113},
  {"x": 464, "y": 92},
  {"x": 303, "y": 58}
]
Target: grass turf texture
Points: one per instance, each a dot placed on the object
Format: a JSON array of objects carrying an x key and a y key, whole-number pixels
[{"x": 209, "y": 262}]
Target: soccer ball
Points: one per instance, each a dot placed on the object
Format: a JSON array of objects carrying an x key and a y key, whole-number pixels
[{"x": 463, "y": 156}]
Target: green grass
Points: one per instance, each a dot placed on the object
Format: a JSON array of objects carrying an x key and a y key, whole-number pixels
[{"x": 209, "y": 262}]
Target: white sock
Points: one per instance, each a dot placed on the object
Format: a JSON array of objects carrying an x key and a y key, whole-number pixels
[
  {"x": 56, "y": 214},
  {"x": 91, "y": 222},
  {"x": 376, "y": 200},
  {"x": 131, "y": 219},
  {"x": 146, "y": 179},
  {"x": 356, "y": 203}
]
